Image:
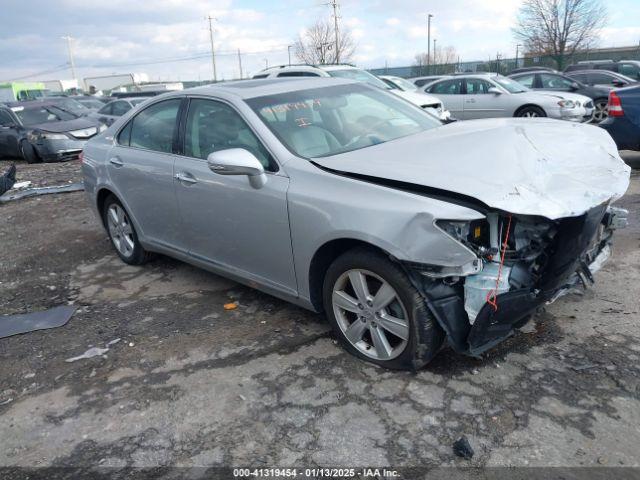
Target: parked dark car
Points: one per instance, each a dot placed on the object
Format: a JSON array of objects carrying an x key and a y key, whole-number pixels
[
  {"x": 552, "y": 81},
  {"x": 91, "y": 102},
  {"x": 602, "y": 79},
  {"x": 628, "y": 68},
  {"x": 42, "y": 131},
  {"x": 623, "y": 123}
]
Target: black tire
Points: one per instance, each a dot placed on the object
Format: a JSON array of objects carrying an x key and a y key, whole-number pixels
[
  {"x": 600, "y": 103},
  {"x": 138, "y": 254},
  {"x": 425, "y": 335},
  {"x": 531, "y": 111},
  {"x": 29, "y": 152}
]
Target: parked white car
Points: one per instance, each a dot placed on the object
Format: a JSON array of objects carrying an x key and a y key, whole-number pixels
[
  {"x": 428, "y": 102},
  {"x": 485, "y": 95},
  {"x": 410, "y": 92}
]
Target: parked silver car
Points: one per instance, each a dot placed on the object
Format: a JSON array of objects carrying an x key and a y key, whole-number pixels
[
  {"x": 489, "y": 96},
  {"x": 342, "y": 197},
  {"x": 113, "y": 110}
]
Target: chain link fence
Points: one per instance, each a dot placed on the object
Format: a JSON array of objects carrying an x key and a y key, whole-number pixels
[{"x": 505, "y": 65}]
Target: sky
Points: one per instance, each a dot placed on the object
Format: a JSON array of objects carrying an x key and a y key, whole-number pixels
[{"x": 162, "y": 37}]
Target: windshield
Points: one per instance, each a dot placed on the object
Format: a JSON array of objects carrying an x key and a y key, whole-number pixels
[
  {"x": 510, "y": 85},
  {"x": 327, "y": 121},
  {"x": 360, "y": 76},
  {"x": 405, "y": 85},
  {"x": 70, "y": 104},
  {"x": 43, "y": 114},
  {"x": 91, "y": 103}
]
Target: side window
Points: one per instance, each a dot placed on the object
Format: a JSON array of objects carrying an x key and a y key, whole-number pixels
[
  {"x": 554, "y": 81},
  {"x": 448, "y": 87},
  {"x": 526, "y": 80},
  {"x": 581, "y": 77},
  {"x": 5, "y": 118},
  {"x": 124, "y": 137},
  {"x": 214, "y": 126},
  {"x": 600, "y": 79},
  {"x": 120, "y": 108},
  {"x": 475, "y": 86},
  {"x": 153, "y": 128},
  {"x": 630, "y": 70},
  {"x": 106, "y": 110},
  {"x": 262, "y": 75}
]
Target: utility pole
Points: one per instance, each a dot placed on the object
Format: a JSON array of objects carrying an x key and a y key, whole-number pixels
[
  {"x": 517, "y": 53},
  {"x": 266, "y": 63},
  {"x": 240, "y": 63},
  {"x": 289, "y": 52},
  {"x": 73, "y": 66},
  {"x": 435, "y": 53},
  {"x": 429, "y": 17},
  {"x": 213, "y": 50},
  {"x": 336, "y": 5}
]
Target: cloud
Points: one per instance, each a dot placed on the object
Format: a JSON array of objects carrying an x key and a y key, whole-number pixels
[{"x": 393, "y": 21}]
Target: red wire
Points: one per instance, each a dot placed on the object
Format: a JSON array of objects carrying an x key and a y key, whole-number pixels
[{"x": 492, "y": 298}]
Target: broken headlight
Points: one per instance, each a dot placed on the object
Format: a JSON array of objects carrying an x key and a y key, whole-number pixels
[{"x": 473, "y": 234}]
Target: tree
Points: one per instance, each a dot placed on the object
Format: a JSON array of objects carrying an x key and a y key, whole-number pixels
[
  {"x": 442, "y": 56},
  {"x": 559, "y": 27},
  {"x": 317, "y": 44}
]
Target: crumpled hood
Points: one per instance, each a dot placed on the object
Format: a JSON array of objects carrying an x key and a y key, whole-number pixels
[
  {"x": 64, "y": 126},
  {"x": 418, "y": 98},
  {"x": 539, "y": 167}
]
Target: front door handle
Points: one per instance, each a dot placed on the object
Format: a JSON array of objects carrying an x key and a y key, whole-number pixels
[
  {"x": 116, "y": 161},
  {"x": 185, "y": 177},
  {"x": 470, "y": 101}
]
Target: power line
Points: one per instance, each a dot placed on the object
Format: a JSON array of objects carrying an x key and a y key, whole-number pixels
[{"x": 59, "y": 68}]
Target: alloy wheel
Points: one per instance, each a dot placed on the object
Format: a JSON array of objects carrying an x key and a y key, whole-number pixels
[
  {"x": 120, "y": 230},
  {"x": 370, "y": 314},
  {"x": 530, "y": 114},
  {"x": 600, "y": 112}
]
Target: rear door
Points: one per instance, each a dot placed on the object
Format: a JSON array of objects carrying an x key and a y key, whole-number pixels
[
  {"x": 450, "y": 92},
  {"x": 140, "y": 165}
]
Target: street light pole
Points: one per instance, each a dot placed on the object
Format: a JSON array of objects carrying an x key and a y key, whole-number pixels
[
  {"x": 435, "y": 40},
  {"x": 213, "y": 51},
  {"x": 73, "y": 66},
  {"x": 429, "y": 17}
]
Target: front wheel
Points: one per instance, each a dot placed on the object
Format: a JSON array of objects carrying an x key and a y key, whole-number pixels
[
  {"x": 377, "y": 314},
  {"x": 28, "y": 152},
  {"x": 531, "y": 112}
]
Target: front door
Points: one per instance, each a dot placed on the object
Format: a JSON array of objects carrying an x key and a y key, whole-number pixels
[
  {"x": 480, "y": 103},
  {"x": 229, "y": 223},
  {"x": 450, "y": 93},
  {"x": 140, "y": 165},
  {"x": 8, "y": 135}
]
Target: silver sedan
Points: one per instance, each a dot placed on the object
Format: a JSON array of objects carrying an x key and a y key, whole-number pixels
[
  {"x": 490, "y": 96},
  {"x": 343, "y": 198}
]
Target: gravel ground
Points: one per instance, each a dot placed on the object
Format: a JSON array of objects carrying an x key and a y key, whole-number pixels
[{"x": 191, "y": 384}]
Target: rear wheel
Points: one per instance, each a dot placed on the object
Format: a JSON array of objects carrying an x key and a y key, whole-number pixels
[
  {"x": 377, "y": 313},
  {"x": 531, "y": 112},
  {"x": 601, "y": 110},
  {"x": 122, "y": 233},
  {"x": 29, "y": 152}
]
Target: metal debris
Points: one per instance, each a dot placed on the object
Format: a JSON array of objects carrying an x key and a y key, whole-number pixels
[
  {"x": 30, "y": 322},
  {"x": 7, "y": 179},
  {"x": 32, "y": 192},
  {"x": 92, "y": 352},
  {"x": 462, "y": 448}
]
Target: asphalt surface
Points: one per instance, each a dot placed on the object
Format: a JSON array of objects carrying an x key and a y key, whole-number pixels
[{"x": 189, "y": 383}]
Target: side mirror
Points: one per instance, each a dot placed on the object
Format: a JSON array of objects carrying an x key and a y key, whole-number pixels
[
  {"x": 238, "y": 161},
  {"x": 495, "y": 91},
  {"x": 9, "y": 125},
  {"x": 618, "y": 83},
  {"x": 574, "y": 86}
]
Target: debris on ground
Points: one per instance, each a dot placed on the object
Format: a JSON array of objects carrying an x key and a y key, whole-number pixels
[
  {"x": 8, "y": 179},
  {"x": 92, "y": 352},
  {"x": 230, "y": 306},
  {"x": 113, "y": 342},
  {"x": 462, "y": 448},
  {"x": 21, "y": 185},
  {"x": 32, "y": 192},
  {"x": 30, "y": 322}
]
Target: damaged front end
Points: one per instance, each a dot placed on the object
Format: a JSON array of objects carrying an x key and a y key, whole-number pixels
[{"x": 523, "y": 262}]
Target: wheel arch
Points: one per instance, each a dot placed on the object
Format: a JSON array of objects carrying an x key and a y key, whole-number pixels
[
  {"x": 528, "y": 105},
  {"x": 101, "y": 198},
  {"x": 324, "y": 257}
]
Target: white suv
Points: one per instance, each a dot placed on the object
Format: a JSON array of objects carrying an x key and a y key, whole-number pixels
[{"x": 428, "y": 102}]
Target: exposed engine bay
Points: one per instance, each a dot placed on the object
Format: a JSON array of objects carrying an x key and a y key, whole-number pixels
[{"x": 523, "y": 263}]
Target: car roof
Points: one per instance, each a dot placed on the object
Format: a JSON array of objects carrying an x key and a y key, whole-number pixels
[
  {"x": 32, "y": 103},
  {"x": 529, "y": 72},
  {"x": 271, "y": 86}
]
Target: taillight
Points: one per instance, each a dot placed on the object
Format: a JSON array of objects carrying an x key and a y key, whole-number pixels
[{"x": 615, "y": 105}]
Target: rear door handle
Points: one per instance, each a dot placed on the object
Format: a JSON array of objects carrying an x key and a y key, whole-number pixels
[
  {"x": 116, "y": 161},
  {"x": 185, "y": 177},
  {"x": 470, "y": 101}
]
